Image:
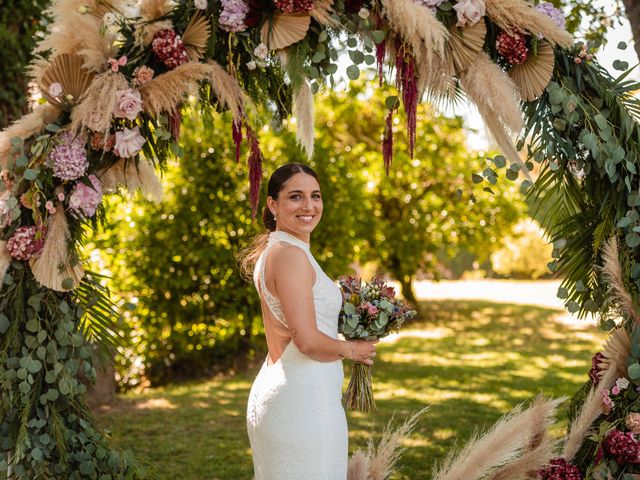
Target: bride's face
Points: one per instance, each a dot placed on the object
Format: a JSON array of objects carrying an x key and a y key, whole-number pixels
[{"x": 299, "y": 205}]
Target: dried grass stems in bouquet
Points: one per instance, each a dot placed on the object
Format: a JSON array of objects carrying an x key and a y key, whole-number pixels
[{"x": 369, "y": 311}]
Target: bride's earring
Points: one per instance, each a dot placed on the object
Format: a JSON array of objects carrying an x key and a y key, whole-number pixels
[{"x": 274, "y": 216}]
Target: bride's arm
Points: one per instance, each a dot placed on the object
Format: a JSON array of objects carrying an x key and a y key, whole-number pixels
[{"x": 293, "y": 278}]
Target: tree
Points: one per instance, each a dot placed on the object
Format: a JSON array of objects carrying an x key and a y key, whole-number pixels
[{"x": 20, "y": 21}]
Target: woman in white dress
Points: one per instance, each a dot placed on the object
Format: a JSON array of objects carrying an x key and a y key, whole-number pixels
[{"x": 295, "y": 419}]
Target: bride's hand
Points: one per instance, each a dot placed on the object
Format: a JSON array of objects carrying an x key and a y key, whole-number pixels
[{"x": 362, "y": 351}]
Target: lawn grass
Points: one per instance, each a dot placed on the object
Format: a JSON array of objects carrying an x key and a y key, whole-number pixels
[{"x": 472, "y": 361}]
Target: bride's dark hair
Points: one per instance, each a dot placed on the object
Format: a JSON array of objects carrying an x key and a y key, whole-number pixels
[{"x": 248, "y": 256}]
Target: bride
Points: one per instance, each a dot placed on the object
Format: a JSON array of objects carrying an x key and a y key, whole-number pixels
[{"x": 295, "y": 420}]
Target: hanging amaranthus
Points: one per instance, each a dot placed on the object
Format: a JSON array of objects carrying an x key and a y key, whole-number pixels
[
  {"x": 387, "y": 142},
  {"x": 236, "y": 133},
  {"x": 407, "y": 84},
  {"x": 255, "y": 169}
]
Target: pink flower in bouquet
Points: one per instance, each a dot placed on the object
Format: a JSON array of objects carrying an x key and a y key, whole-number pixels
[
  {"x": 25, "y": 243},
  {"x": 116, "y": 64},
  {"x": 128, "y": 142},
  {"x": 622, "y": 446},
  {"x": 84, "y": 199},
  {"x": 389, "y": 292},
  {"x": 128, "y": 104},
  {"x": 615, "y": 390},
  {"x": 513, "y": 47},
  {"x": 69, "y": 158},
  {"x": 370, "y": 308},
  {"x": 552, "y": 12},
  {"x": 632, "y": 422},
  {"x": 469, "y": 12},
  {"x": 233, "y": 15},
  {"x": 143, "y": 75}
]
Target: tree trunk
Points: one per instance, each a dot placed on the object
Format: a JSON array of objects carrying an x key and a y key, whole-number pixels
[
  {"x": 632, "y": 9},
  {"x": 406, "y": 282}
]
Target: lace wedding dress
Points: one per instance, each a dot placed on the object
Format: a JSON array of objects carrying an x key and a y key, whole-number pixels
[{"x": 295, "y": 420}]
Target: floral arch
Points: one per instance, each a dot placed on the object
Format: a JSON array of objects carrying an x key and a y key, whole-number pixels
[{"x": 113, "y": 75}]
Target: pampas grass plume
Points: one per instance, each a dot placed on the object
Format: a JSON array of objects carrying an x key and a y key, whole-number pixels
[
  {"x": 501, "y": 444},
  {"x": 358, "y": 467},
  {"x": 52, "y": 267},
  {"x": 98, "y": 102},
  {"x": 612, "y": 273},
  {"x": 418, "y": 25},
  {"x": 303, "y": 112},
  {"x": 125, "y": 173},
  {"x": 164, "y": 92},
  {"x": 591, "y": 409}
]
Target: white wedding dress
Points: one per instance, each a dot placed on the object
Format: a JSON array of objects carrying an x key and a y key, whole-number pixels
[{"x": 295, "y": 419}]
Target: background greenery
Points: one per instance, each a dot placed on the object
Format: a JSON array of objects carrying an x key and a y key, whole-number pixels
[{"x": 175, "y": 263}]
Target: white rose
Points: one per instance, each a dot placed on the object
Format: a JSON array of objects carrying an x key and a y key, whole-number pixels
[
  {"x": 469, "y": 11},
  {"x": 363, "y": 13},
  {"x": 622, "y": 383},
  {"x": 109, "y": 19},
  {"x": 55, "y": 89},
  {"x": 201, "y": 4},
  {"x": 128, "y": 142},
  {"x": 261, "y": 51},
  {"x": 251, "y": 65}
]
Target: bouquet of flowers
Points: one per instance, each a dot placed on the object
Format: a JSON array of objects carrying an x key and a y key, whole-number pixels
[{"x": 369, "y": 311}]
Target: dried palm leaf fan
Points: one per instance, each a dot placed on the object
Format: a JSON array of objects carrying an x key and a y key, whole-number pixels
[
  {"x": 616, "y": 351},
  {"x": 67, "y": 70},
  {"x": 533, "y": 76},
  {"x": 196, "y": 36},
  {"x": 465, "y": 44},
  {"x": 284, "y": 30}
]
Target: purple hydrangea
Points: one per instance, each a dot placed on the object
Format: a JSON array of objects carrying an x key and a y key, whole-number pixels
[
  {"x": 84, "y": 200},
  {"x": 554, "y": 13},
  {"x": 233, "y": 15},
  {"x": 69, "y": 158}
]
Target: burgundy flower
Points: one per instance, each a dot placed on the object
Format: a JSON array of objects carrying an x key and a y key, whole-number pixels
[
  {"x": 622, "y": 446},
  {"x": 560, "y": 469},
  {"x": 169, "y": 47},
  {"x": 353, "y": 6},
  {"x": 595, "y": 368},
  {"x": 294, "y": 6},
  {"x": 513, "y": 47},
  {"x": 256, "y": 11}
]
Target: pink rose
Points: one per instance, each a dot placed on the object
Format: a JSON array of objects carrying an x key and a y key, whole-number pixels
[
  {"x": 143, "y": 74},
  {"x": 128, "y": 142},
  {"x": 615, "y": 390},
  {"x": 469, "y": 12},
  {"x": 128, "y": 104},
  {"x": 84, "y": 200}
]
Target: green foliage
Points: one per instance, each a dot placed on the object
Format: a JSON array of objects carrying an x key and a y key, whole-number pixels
[
  {"x": 20, "y": 21},
  {"x": 46, "y": 430},
  {"x": 584, "y": 133}
]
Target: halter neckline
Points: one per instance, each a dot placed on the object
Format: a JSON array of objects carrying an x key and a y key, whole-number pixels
[{"x": 282, "y": 235}]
